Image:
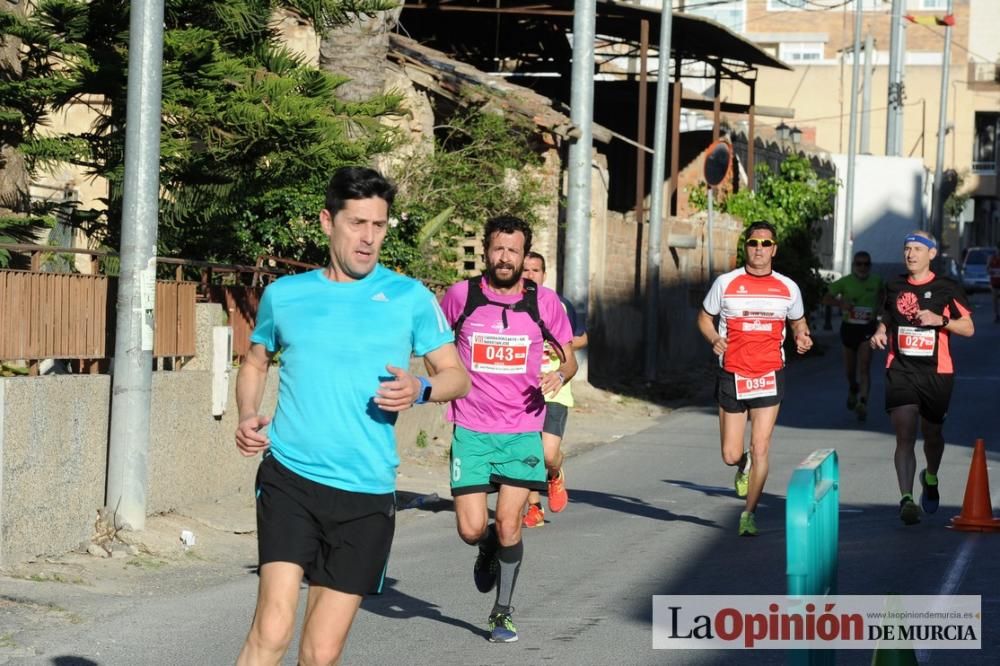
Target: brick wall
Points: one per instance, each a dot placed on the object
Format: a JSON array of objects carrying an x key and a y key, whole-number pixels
[
  {"x": 617, "y": 322},
  {"x": 839, "y": 25}
]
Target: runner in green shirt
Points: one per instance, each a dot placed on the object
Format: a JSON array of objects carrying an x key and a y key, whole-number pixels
[{"x": 857, "y": 294}]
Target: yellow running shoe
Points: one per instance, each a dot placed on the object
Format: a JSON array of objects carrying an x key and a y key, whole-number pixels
[
  {"x": 742, "y": 483},
  {"x": 747, "y": 525}
]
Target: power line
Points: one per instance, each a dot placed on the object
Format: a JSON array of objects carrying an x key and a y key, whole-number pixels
[
  {"x": 958, "y": 44},
  {"x": 841, "y": 115}
]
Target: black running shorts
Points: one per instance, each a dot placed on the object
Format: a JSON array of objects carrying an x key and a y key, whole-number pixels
[
  {"x": 853, "y": 335},
  {"x": 555, "y": 419},
  {"x": 930, "y": 391},
  {"x": 728, "y": 396},
  {"x": 340, "y": 539}
]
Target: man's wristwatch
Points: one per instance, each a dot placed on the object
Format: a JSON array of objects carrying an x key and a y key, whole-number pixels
[
  {"x": 944, "y": 321},
  {"x": 425, "y": 391}
]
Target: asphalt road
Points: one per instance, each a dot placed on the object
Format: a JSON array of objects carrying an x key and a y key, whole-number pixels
[{"x": 652, "y": 513}]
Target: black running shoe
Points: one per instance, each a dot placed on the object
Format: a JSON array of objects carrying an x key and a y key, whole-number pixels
[
  {"x": 929, "y": 496},
  {"x": 909, "y": 512},
  {"x": 485, "y": 570}
]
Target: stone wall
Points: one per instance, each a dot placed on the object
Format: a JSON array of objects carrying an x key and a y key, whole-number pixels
[{"x": 54, "y": 443}]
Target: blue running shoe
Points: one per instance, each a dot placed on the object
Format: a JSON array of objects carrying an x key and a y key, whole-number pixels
[
  {"x": 929, "y": 496},
  {"x": 502, "y": 629}
]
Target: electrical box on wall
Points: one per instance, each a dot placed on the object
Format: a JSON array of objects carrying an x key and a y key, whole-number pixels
[{"x": 222, "y": 363}]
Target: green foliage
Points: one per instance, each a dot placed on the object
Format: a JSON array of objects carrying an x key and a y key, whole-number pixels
[
  {"x": 249, "y": 137},
  {"x": 22, "y": 229},
  {"x": 794, "y": 200},
  {"x": 955, "y": 203},
  {"x": 481, "y": 166}
]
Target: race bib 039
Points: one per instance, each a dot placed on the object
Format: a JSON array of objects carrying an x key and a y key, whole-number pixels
[
  {"x": 748, "y": 388},
  {"x": 498, "y": 354},
  {"x": 914, "y": 341}
]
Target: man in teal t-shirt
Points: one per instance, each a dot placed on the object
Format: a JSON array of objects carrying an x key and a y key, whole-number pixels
[
  {"x": 858, "y": 295},
  {"x": 325, "y": 487}
]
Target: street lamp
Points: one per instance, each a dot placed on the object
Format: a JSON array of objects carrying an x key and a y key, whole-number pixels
[
  {"x": 796, "y": 136},
  {"x": 783, "y": 131}
]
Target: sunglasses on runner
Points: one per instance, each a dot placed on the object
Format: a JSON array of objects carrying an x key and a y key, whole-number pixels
[{"x": 761, "y": 242}]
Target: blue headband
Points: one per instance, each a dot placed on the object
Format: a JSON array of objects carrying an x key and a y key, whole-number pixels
[{"x": 923, "y": 240}]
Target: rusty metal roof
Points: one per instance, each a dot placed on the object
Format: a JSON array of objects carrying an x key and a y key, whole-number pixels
[{"x": 523, "y": 30}]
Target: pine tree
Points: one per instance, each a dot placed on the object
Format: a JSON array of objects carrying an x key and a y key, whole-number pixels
[{"x": 249, "y": 132}]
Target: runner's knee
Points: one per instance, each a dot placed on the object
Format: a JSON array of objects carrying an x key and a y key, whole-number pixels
[
  {"x": 320, "y": 654},
  {"x": 471, "y": 530},
  {"x": 509, "y": 529},
  {"x": 759, "y": 449},
  {"x": 732, "y": 457},
  {"x": 272, "y": 629}
]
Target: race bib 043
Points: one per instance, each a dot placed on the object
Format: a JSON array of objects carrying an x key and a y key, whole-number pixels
[
  {"x": 500, "y": 354},
  {"x": 914, "y": 341},
  {"x": 860, "y": 315},
  {"x": 748, "y": 388}
]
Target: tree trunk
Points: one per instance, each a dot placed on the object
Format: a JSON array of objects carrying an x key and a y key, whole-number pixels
[
  {"x": 14, "y": 180},
  {"x": 359, "y": 49}
]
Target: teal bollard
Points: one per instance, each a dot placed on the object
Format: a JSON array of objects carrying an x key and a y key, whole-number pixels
[{"x": 812, "y": 512}]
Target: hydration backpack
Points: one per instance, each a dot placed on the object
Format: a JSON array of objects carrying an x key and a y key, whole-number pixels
[{"x": 528, "y": 304}]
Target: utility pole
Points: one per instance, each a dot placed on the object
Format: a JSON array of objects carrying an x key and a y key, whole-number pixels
[
  {"x": 128, "y": 448},
  {"x": 852, "y": 146},
  {"x": 866, "y": 97},
  {"x": 576, "y": 265},
  {"x": 897, "y": 57},
  {"x": 656, "y": 191},
  {"x": 937, "y": 203}
]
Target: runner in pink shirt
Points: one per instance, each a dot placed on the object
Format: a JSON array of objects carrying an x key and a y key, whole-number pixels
[{"x": 501, "y": 322}]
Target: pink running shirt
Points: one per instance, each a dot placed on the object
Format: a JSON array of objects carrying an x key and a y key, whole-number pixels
[{"x": 504, "y": 363}]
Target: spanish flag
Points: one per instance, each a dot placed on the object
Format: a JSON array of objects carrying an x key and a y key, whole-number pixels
[{"x": 926, "y": 19}]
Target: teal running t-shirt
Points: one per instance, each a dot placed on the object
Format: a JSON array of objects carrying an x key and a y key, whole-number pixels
[{"x": 335, "y": 340}]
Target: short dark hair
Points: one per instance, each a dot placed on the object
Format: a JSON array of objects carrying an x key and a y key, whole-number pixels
[
  {"x": 506, "y": 224},
  {"x": 535, "y": 255},
  {"x": 355, "y": 182},
  {"x": 862, "y": 254},
  {"x": 760, "y": 224}
]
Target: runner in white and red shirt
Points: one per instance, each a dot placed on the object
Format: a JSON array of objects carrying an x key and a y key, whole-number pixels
[
  {"x": 752, "y": 304},
  {"x": 920, "y": 313}
]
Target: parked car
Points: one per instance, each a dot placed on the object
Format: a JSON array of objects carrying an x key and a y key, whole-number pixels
[
  {"x": 975, "y": 275},
  {"x": 946, "y": 266}
]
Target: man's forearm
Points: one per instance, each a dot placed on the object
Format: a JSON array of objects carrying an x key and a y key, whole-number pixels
[
  {"x": 707, "y": 328},
  {"x": 570, "y": 367},
  {"x": 962, "y": 326},
  {"x": 250, "y": 383},
  {"x": 448, "y": 384}
]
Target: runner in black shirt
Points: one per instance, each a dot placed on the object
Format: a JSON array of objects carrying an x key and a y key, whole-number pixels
[{"x": 919, "y": 314}]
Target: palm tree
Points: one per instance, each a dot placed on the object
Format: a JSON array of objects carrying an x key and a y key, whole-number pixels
[{"x": 358, "y": 49}]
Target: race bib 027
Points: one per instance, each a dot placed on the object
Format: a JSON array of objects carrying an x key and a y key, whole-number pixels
[
  {"x": 499, "y": 354},
  {"x": 748, "y": 388},
  {"x": 914, "y": 341}
]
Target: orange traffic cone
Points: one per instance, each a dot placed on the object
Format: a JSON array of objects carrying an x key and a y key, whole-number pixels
[{"x": 977, "y": 511}]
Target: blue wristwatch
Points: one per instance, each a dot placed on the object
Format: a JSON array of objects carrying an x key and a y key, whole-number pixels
[{"x": 425, "y": 391}]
